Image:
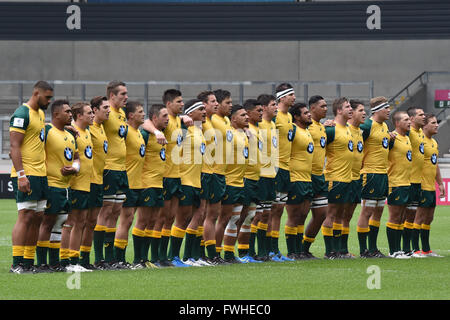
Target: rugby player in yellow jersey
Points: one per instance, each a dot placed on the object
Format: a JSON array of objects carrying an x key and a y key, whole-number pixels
[
  {"x": 193, "y": 149},
  {"x": 374, "y": 176},
  {"x": 431, "y": 174},
  {"x": 338, "y": 174},
  {"x": 222, "y": 128},
  {"x": 358, "y": 118},
  {"x": 300, "y": 191},
  {"x": 416, "y": 136},
  {"x": 80, "y": 185},
  {"x": 149, "y": 222},
  {"x": 318, "y": 109},
  {"x": 61, "y": 154},
  {"x": 115, "y": 180},
  {"x": 252, "y": 203},
  {"x": 196, "y": 225},
  {"x": 399, "y": 172},
  {"x": 134, "y": 111},
  {"x": 266, "y": 186},
  {"x": 173, "y": 100},
  {"x": 29, "y": 174},
  {"x": 100, "y": 107},
  {"x": 234, "y": 198},
  {"x": 285, "y": 99}
]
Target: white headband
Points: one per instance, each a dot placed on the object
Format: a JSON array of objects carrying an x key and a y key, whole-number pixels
[
  {"x": 194, "y": 107},
  {"x": 284, "y": 93},
  {"x": 380, "y": 107}
]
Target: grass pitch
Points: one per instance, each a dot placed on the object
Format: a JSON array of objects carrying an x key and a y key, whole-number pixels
[{"x": 413, "y": 279}]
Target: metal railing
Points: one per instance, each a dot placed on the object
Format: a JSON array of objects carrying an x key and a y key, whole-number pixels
[{"x": 19, "y": 90}]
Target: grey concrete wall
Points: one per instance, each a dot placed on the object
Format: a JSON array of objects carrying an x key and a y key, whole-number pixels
[{"x": 391, "y": 64}]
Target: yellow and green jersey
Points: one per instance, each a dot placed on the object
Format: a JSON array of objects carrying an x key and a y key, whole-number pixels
[
  {"x": 237, "y": 158},
  {"x": 100, "y": 149},
  {"x": 194, "y": 146},
  {"x": 300, "y": 163},
  {"x": 284, "y": 126},
  {"x": 416, "y": 137},
  {"x": 174, "y": 137},
  {"x": 31, "y": 123},
  {"x": 223, "y": 129},
  {"x": 82, "y": 180},
  {"x": 208, "y": 158},
  {"x": 255, "y": 148},
  {"x": 135, "y": 157},
  {"x": 339, "y": 154},
  {"x": 269, "y": 155},
  {"x": 358, "y": 148},
  {"x": 116, "y": 130},
  {"x": 431, "y": 152},
  {"x": 154, "y": 161},
  {"x": 376, "y": 147},
  {"x": 317, "y": 131},
  {"x": 400, "y": 161},
  {"x": 60, "y": 149}
]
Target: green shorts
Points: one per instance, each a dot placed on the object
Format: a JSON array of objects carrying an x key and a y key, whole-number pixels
[
  {"x": 399, "y": 196},
  {"x": 152, "y": 197},
  {"x": 414, "y": 196},
  {"x": 339, "y": 192},
  {"x": 299, "y": 192},
  {"x": 234, "y": 195},
  {"x": 266, "y": 188},
  {"x": 427, "y": 199},
  {"x": 114, "y": 182},
  {"x": 190, "y": 197},
  {"x": 171, "y": 188},
  {"x": 218, "y": 186},
  {"x": 206, "y": 179},
  {"x": 58, "y": 201},
  {"x": 38, "y": 189},
  {"x": 356, "y": 188},
  {"x": 79, "y": 199},
  {"x": 96, "y": 196},
  {"x": 319, "y": 185},
  {"x": 374, "y": 186},
  {"x": 282, "y": 181},
  {"x": 134, "y": 198},
  {"x": 251, "y": 192}
]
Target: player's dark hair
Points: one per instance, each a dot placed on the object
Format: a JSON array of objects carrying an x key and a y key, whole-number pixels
[
  {"x": 113, "y": 87},
  {"x": 412, "y": 111},
  {"x": 170, "y": 94},
  {"x": 97, "y": 101},
  {"x": 283, "y": 86},
  {"x": 57, "y": 104},
  {"x": 296, "y": 109},
  {"x": 222, "y": 95},
  {"x": 203, "y": 96},
  {"x": 43, "y": 85},
  {"x": 314, "y": 99},
  {"x": 264, "y": 99},
  {"x": 355, "y": 103},
  {"x": 235, "y": 108},
  {"x": 131, "y": 107},
  {"x": 155, "y": 109},
  {"x": 251, "y": 104}
]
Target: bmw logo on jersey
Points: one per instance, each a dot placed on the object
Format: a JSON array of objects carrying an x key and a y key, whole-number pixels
[
  {"x": 162, "y": 154},
  {"x": 68, "y": 154},
  {"x": 421, "y": 148},
  {"x": 245, "y": 152},
  {"x": 229, "y": 135},
  {"x": 122, "y": 131},
  {"x": 202, "y": 148},
  {"x": 105, "y": 146},
  {"x": 88, "y": 152},
  {"x": 310, "y": 147},
  {"x": 409, "y": 155},
  {"x": 350, "y": 145},
  {"x": 290, "y": 135},
  {"x": 42, "y": 134},
  {"x": 360, "y": 146},
  {"x": 323, "y": 142},
  {"x": 274, "y": 142},
  {"x": 385, "y": 143},
  {"x": 142, "y": 150},
  {"x": 433, "y": 158}
]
